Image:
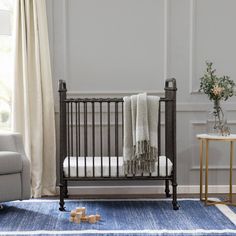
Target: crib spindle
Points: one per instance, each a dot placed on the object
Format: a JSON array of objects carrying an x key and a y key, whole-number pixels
[
  {"x": 76, "y": 137},
  {"x": 68, "y": 136},
  {"x": 116, "y": 138},
  {"x": 109, "y": 136},
  {"x": 85, "y": 139},
  {"x": 79, "y": 130},
  {"x": 122, "y": 122},
  {"x": 159, "y": 139},
  {"x": 93, "y": 138},
  {"x": 166, "y": 167},
  {"x": 71, "y": 127},
  {"x": 101, "y": 153}
]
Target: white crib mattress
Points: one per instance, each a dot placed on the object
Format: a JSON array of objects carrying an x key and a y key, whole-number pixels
[{"x": 97, "y": 167}]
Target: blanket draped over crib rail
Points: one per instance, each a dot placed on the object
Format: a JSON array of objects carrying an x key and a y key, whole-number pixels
[{"x": 140, "y": 133}]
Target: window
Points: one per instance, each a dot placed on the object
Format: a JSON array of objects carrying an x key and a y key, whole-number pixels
[{"x": 6, "y": 62}]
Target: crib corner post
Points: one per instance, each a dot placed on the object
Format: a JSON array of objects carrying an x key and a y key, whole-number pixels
[
  {"x": 167, "y": 188},
  {"x": 170, "y": 121},
  {"x": 170, "y": 132},
  {"x": 63, "y": 140},
  {"x": 62, "y": 202}
]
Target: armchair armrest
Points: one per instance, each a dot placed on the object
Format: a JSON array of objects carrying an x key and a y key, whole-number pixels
[{"x": 11, "y": 142}]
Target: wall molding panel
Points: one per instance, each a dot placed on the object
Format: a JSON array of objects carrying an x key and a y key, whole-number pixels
[
  {"x": 192, "y": 20},
  {"x": 65, "y": 40},
  {"x": 222, "y": 168},
  {"x": 166, "y": 39},
  {"x": 141, "y": 189},
  {"x": 200, "y": 122}
]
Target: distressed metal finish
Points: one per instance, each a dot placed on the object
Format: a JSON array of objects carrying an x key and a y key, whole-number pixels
[{"x": 76, "y": 137}]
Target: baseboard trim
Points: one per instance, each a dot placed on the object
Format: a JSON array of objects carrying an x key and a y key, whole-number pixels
[{"x": 133, "y": 190}]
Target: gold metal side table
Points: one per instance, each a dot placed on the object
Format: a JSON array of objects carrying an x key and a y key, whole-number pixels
[{"x": 205, "y": 139}]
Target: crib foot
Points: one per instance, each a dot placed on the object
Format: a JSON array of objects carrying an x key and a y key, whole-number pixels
[
  {"x": 62, "y": 202},
  {"x": 175, "y": 206},
  {"x": 174, "y": 201},
  {"x": 66, "y": 193},
  {"x": 167, "y": 189},
  {"x": 168, "y": 195},
  {"x": 65, "y": 190},
  {"x": 62, "y": 205},
  {"x": 62, "y": 208}
]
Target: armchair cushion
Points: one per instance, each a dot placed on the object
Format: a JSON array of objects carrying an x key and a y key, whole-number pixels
[{"x": 10, "y": 162}]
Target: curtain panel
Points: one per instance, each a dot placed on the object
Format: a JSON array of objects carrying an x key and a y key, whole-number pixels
[{"x": 33, "y": 102}]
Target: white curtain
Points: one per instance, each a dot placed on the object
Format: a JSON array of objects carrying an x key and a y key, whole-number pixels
[{"x": 33, "y": 105}]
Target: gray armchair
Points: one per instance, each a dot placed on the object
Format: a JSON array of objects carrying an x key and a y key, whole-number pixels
[{"x": 14, "y": 169}]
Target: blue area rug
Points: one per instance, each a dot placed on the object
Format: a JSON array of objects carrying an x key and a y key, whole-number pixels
[{"x": 119, "y": 217}]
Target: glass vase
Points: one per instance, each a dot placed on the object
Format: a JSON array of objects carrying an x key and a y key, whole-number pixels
[{"x": 217, "y": 120}]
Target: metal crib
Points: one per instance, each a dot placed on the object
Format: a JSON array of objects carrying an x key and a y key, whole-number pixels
[{"x": 91, "y": 135}]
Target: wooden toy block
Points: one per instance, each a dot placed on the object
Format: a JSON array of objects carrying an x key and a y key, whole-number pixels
[
  {"x": 84, "y": 218},
  {"x": 78, "y": 209},
  {"x": 92, "y": 219},
  {"x": 79, "y": 214},
  {"x": 98, "y": 217},
  {"x": 83, "y": 211},
  {"x": 73, "y": 213},
  {"x": 77, "y": 220}
]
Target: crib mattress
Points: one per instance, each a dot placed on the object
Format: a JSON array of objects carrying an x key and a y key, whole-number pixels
[{"x": 105, "y": 168}]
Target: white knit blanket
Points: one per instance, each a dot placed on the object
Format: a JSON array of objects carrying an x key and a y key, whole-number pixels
[{"x": 140, "y": 133}]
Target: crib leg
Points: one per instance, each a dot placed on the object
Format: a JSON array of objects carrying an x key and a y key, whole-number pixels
[
  {"x": 174, "y": 201},
  {"x": 167, "y": 189},
  {"x": 65, "y": 192},
  {"x": 62, "y": 202}
]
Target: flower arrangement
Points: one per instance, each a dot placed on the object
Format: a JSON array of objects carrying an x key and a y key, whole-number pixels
[{"x": 217, "y": 89}]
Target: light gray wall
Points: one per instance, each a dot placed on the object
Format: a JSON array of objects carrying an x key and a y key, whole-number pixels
[{"x": 104, "y": 47}]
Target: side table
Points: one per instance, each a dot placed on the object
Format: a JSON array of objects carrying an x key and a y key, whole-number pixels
[{"x": 204, "y": 140}]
